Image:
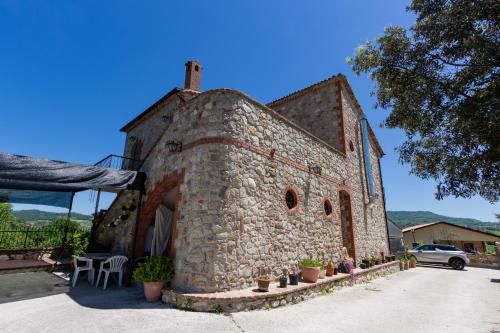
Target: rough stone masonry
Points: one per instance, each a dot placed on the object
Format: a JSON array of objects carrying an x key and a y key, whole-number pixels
[{"x": 253, "y": 185}]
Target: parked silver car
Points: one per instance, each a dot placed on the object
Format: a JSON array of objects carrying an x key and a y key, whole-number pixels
[{"x": 440, "y": 254}]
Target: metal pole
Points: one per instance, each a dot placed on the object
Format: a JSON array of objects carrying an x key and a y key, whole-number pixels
[
  {"x": 134, "y": 244},
  {"x": 97, "y": 203},
  {"x": 66, "y": 226}
]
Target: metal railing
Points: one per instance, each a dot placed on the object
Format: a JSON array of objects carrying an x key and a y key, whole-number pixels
[
  {"x": 26, "y": 237},
  {"x": 114, "y": 162},
  {"x": 118, "y": 162}
]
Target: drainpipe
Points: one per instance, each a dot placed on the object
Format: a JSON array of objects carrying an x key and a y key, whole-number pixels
[
  {"x": 383, "y": 202},
  {"x": 367, "y": 159}
]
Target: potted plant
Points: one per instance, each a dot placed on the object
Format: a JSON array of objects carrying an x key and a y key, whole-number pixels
[
  {"x": 330, "y": 269},
  {"x": 322, "y": 272},
  {"x": 283, "y": 281},
  {"x": 310, "y": 269},
  {"x": 366, "y": 261},
  {"x": 154, "y": 272},
  {"x": 413, "y": 262},
  {"x": 374, "y": 260},
  {"x": 263, "y": 281},
  {"x": 401, "y": 263},
  {"x": 406, "y": 264},
  {"x": 362, "y": 265},
  {"x": 294, "y": 279},
  {"x": 335, "y": 270}
]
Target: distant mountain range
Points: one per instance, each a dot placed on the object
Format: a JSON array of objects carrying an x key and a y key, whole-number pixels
[
  {"x": 32, "y": 215},
  {"x": 404, "y": 219}
]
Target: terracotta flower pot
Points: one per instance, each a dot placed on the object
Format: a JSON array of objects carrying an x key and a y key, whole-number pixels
[
  {"x": 413, "y": 264},
  {"x": 310, "y": 274},
  {"x": 263, "y": 285},
  {"x": 329, "y": 271},
  {"x": 152, "y": 291},
  {"x": 406, "y": 265}
]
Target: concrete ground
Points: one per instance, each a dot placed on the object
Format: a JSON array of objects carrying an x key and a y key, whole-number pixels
[{"x": 425, "y": 299}]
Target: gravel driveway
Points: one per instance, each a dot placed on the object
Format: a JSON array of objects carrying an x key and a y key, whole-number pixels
[{"x": 420, "y": 300}]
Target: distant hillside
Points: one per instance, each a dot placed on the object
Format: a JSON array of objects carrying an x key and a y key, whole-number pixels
[
  {"x": 40, "y": 215},
  {"x": 406, "y": 219}
]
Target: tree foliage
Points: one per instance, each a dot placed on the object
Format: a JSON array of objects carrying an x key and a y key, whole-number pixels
[
  {"x": 440, "y": 80},
  {"x": 7, "y": 218}
]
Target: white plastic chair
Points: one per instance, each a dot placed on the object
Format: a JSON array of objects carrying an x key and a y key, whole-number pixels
[
  {"x": 115, "y": 266},
  {"x": 88, "y": 267}
]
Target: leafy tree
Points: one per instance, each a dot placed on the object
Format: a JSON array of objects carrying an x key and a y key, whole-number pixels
[
  {"x": 440, "y": 79},
  {"x": 7, "y": 218}
]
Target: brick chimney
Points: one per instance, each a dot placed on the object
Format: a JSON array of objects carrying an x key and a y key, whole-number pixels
[{"x": 193, "y": 75}]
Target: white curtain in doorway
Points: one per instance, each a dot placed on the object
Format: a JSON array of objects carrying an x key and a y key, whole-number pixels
[{"x": 162, "y": 231}]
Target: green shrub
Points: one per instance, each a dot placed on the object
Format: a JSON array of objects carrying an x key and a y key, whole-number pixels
[
  {"x": 154, "y": 269},
  {"x": 310, "y": 263},
  {"x": 78, "y": 242}
]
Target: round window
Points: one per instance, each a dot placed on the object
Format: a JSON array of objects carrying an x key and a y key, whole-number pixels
[
  {"x": 328, "y": 207},
  {"x": 291, "y": 199}
]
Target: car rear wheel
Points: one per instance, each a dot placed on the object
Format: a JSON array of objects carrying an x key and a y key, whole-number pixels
[{"x": 457, "y": 263}]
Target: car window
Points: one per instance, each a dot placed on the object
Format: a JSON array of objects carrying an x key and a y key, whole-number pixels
[
  {"x": 447, "y": 248},
  {"x": 427, "y": 248}
]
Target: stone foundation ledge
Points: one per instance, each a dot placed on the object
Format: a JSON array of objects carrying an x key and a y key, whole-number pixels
[{"x": 249, "y": 299}]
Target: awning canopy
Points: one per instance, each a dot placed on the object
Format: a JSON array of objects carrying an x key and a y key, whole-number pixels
[{"x": 44, "y": 182}]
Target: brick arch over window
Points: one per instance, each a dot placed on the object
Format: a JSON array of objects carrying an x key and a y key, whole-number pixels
[
  {"x": 346, "y": 223},
  {"x": 149, "y": 206}
]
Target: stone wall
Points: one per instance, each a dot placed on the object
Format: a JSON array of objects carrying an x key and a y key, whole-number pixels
[
  {"x": 148, "y": 130},
  {"x": 116, "y": 239},
  {"x": 316, "y": 111},
  {"x": 370, "y": 229},
  {"x": 26, "y": 254},
  {"x": 484, "y": 260},
  {"x": 256, "y": 227},
  {"x": 198, "y": 172}
]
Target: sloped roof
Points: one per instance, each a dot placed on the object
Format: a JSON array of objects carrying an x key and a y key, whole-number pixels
[
  {"x": 159, "y": 103},
  {"x": 418, "y": 226},
  {"x": 425, "y": 225}
]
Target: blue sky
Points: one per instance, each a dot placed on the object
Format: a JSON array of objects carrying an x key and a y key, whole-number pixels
[{"x": 73, "y": 72}]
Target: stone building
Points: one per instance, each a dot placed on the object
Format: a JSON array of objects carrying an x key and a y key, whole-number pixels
[{"x": 251, "y": 185}]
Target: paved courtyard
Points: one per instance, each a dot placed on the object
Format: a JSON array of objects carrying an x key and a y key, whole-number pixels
[{"x": 420, "y": 300}]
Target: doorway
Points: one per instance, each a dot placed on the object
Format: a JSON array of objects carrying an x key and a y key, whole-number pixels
[
  {"x": 346, "y": 223},
  {"x": 158, "y": 239}
]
